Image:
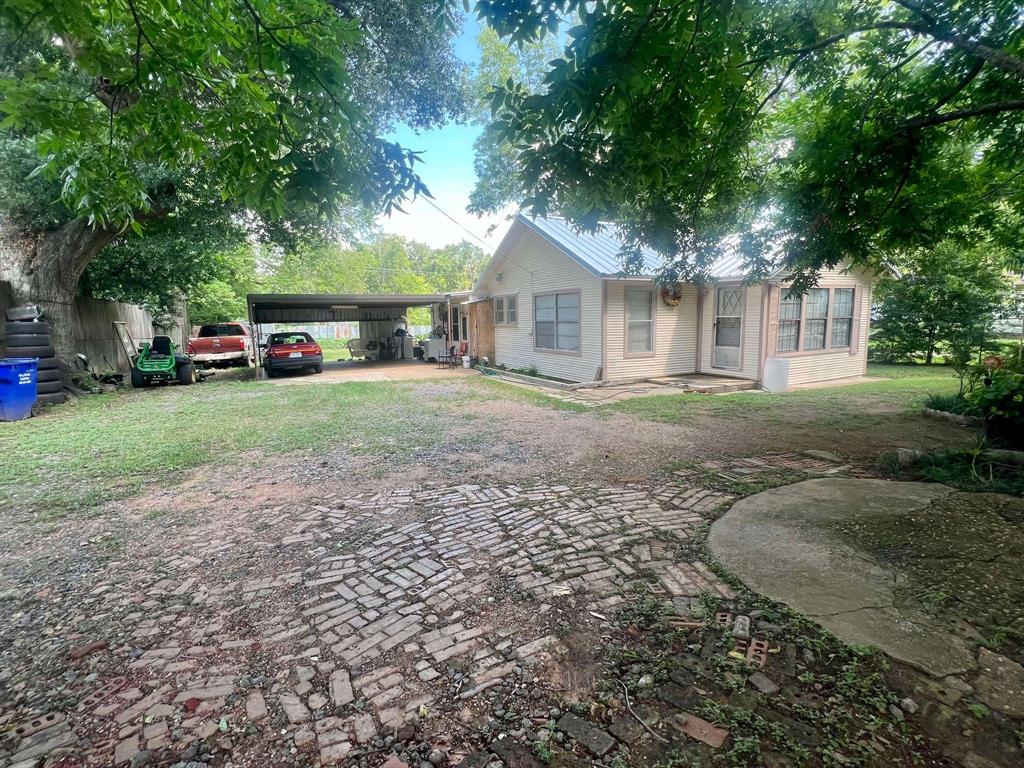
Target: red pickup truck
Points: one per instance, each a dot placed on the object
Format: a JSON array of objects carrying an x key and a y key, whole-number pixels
[{"x": 222, "y": 344}]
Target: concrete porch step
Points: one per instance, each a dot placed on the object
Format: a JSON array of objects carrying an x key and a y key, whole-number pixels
[{"x": 707, "y": 385}]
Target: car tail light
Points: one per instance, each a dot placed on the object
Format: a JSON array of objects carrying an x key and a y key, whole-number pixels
[
  {"x": 191, "y": 349},
  {"x": 317, "y": 350}
]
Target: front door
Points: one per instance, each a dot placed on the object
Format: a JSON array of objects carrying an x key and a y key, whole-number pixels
[{"x": 728, "y": 325}]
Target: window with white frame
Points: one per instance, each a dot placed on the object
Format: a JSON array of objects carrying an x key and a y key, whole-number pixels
[
  {"x": 842, "y": 317},
  {"x": 816, "y": 319},
  {"x": 790, "y": 307},
  {"x": 556, "y": 321},
  {"x": 639, "y": 321},
  {"x": 505, "y": 310},
  {"x": 822, "y": 319}
]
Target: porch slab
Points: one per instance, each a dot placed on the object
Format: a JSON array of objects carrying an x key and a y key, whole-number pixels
[
  {"x": 706, "y": 383},
  {"x": 603, "y": 393}
]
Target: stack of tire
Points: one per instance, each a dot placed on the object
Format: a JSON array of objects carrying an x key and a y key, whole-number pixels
[{"x": 31, "y": 338}]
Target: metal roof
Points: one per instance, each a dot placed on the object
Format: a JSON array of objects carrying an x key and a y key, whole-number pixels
[
  {"x": 336, "y": 307},
  {"x": 598, "y": 252}
]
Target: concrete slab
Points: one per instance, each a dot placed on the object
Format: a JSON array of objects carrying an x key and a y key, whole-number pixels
[
  {"x": 781, "y": 544},
  {"x": 344, "y": 371}
]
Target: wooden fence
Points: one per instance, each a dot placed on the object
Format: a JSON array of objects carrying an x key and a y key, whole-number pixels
[{"x": 95, "y": 336}]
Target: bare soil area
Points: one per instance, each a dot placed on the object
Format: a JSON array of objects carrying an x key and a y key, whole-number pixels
[{"x": 448, "y": 575}]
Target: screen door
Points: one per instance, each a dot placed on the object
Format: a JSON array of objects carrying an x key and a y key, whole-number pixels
[{"x": 728, "y": 322}]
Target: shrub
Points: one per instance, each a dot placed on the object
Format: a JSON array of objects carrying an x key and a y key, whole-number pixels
[
  {"x": 1001, "y": 404},
  {"x": 950, "y": 404}
]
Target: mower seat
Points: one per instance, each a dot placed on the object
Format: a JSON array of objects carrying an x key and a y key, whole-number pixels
[{"x": 160, "y": 349}]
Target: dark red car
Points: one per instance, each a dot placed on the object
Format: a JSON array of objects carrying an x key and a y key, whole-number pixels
[{"x": 290, "y": 351}]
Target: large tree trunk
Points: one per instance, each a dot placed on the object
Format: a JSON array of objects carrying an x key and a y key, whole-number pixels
[{"x": 47, "y": 273}]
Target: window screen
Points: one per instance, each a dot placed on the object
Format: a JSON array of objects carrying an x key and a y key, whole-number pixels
[
  {"x": 817, "y": 318},
  {"x": 639, "y": 321},
  {"x": 842, "y": 317},
  {"x": 557, "y": 322},
  {"x": 789, "y": 323}
]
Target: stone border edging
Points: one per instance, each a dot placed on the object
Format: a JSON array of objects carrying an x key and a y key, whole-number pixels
[{"x": 953, "y": 418}]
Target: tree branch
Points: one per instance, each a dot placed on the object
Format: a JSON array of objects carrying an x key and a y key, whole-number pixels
[
  {"x": 966, "y": 80},
  {"x": 996, "y": 57},
  {"x": 825, "y": 42},
  {"x": 993, "y": 108}
]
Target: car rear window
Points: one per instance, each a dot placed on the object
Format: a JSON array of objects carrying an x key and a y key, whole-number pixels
[
  {"x": 223, "y": 329},
  {"x": 291, "y": 338}
]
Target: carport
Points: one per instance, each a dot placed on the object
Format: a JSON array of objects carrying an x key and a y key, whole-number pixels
[{"x": 378, "y": 315}]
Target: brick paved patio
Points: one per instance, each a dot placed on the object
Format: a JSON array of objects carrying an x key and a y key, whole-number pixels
[{"x": 306, "y": 632}]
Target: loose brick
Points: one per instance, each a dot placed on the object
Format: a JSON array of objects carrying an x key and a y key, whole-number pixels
[{"x": 341, "y": 688}]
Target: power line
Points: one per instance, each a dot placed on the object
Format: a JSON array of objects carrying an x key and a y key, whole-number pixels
[{"x": 456, "y": 223}]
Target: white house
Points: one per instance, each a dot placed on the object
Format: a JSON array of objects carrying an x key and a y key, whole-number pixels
[{"x": 555, "y": 300}]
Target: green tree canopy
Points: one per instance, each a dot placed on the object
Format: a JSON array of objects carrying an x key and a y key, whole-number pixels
[
  {"x": 824, "y": 130},
  {"x": 202, "y": 122},
  {"x": 380, "y": 264},
  {"x": 943, "y": 300},
  {"x": 275, "y": 101},
  {"x": 494, "y": 156}
]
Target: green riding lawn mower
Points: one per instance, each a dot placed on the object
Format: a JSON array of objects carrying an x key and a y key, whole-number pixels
[{"x": 159, "y": 363}]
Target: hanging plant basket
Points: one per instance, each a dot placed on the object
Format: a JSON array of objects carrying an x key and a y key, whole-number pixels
[{"x": 672, "y": 295}]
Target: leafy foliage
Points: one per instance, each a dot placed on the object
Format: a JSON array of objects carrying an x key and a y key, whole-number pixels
[
  {"x": 944, "y": 300},
  {"x": 494, "y": 157},
  {"x": 381, "y": 264},
  {"x": 1001, "y": 403},
  {"x": 213, "y": 302},
  {"x": 825, "y": 130},
  {"x": 221, "y": 131},
  {"x": 260, "y": 96}
]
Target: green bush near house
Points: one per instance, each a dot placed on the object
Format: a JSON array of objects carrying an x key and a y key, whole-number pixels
[
  {"x": 950, "y": 403},
  {"x": 1001, "y": 404}
]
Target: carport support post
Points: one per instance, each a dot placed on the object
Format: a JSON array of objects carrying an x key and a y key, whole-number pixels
[
  {"x": 448, "y": 331},
  {"x": 255, "y": 332}
]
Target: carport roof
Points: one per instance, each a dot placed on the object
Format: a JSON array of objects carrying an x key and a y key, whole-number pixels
[{"x": 336, "y": 307}]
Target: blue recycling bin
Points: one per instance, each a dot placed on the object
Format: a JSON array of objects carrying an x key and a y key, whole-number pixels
[{"x": 17, "y": 387}]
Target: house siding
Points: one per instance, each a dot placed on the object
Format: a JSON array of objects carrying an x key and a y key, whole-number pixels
[
  {"x": 750, "y": 352},
  {"x": 529, "y": 264},
  {"x": 675, "y": 333},
  {"x": 533, "y": 266}
]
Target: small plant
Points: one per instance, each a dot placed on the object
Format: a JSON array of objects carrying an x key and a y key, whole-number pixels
[
  {"x": 542, "y": 749},
  {"x": 979, "y": 710},
  {"x": 949, "y": 403},
  {"x": 644, "y": 613},
  {"x": 1001, "y": 404}
]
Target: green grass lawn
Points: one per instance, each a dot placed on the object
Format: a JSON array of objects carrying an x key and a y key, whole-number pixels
[
  {"x": 334, "y": 349},
  {"x": 113, "y": 445}
]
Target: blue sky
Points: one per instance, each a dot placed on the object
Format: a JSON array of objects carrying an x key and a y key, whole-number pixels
[{"x": 447, "y": 169}]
